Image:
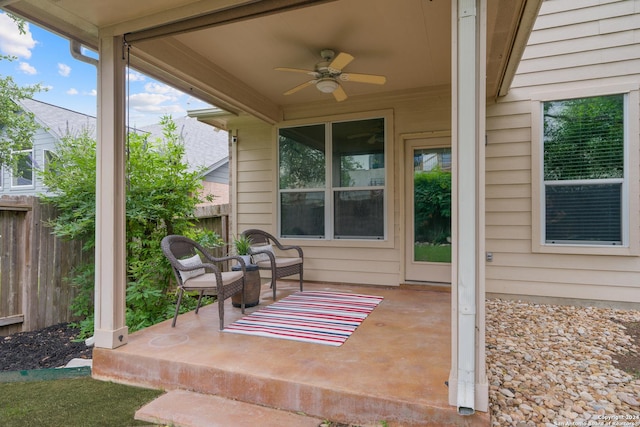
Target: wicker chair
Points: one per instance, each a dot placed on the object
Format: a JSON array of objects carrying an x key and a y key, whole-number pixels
[
  {"x": 191, "y": 273},
  {"x": 263, "y": 255}
]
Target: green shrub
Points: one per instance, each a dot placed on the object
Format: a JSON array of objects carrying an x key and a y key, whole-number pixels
[{"x": 161, "y": 199}]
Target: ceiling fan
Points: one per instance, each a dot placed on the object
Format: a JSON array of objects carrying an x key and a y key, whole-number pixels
[{"x": 328, "y": 72}]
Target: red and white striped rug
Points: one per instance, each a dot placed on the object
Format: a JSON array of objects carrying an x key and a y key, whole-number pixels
[{"x": 318, "y": 317}]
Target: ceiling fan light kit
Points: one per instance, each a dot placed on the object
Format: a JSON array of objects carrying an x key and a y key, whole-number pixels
[
  {"x": 327, "y": 85},
  {"x": 328, "y": 71}
]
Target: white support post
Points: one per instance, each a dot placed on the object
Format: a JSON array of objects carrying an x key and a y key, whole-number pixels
[
  {"x": 110, "y": 279},
  {"x": 466, "y": 390}
]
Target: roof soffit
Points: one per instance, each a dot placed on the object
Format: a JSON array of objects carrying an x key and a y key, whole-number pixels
[{"x": 232, "y": 65}]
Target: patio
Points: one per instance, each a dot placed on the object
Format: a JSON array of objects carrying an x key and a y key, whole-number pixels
[{"x": 393, "y": 368}]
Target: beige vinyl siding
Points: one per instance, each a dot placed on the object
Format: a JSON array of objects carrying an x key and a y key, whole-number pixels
[
  {"x": 255, "y": 197},
  {"x": 574, "y": 45}
]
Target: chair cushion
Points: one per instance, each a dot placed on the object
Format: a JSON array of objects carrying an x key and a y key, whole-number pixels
[
  {"x": 208, "y": 280},
  {"x": 191, "y": 262},
  {"x": 257, "y": 258},
  {"x": 281, "y": 262}
]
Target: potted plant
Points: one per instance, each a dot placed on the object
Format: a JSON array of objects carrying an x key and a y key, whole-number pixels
[{"x": 242, "y": 246}]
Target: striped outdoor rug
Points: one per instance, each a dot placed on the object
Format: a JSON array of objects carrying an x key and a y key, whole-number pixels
[{"x": 318, "y": 317}]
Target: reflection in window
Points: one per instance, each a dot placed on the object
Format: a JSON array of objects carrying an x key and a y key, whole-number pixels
[
  {"x": 302, "y": 214},
  {"x": 359, "y": 214},
  {"x": 358, "y": 153},
  {"x": 584, "y": 176},
  {"x": 23, "y": 170},
  {"x": 432, "y": 204},
  {"x": 350, "y": 183},
  {"x": 301, "y": 157}
]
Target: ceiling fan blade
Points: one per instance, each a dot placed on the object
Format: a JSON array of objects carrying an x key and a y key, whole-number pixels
[
  {"x": 339, "y": 62},
  {"x": 363, "y": 78},
  {"x": 297, "y": 70},
  {"x": 339, "y": 94},
  {"x": 299, "y": 87}
]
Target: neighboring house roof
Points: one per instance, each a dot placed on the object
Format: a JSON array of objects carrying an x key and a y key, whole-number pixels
[
  {"x": 59, "y": 121},
  {"x": 205, "y": 146}
]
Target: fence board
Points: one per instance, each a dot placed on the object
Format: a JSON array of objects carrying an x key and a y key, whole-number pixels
[
  {"x": 34, "y": 264},
  {"x": 12, "y": 267}
]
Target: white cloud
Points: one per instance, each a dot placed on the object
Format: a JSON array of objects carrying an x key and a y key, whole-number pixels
[
  {"x": 72, "y": 91},
  {"x": 162, "y": 89},
  {"x": 173, "y": 108},
  {"x": 64, "y": 70},
  {"x": 148, "y": 101},
  {"x": 136, "y": 77},
  {"x": 92, "y": 92},
  {"x": 26, "y": 68},
  {"x": 12, "y": 42},
  {"x": 149, "y": 107}
]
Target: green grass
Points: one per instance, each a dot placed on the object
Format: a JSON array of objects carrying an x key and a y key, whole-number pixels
[
  {"x": 76, "y": 402},
  {"x": 433, "y": 253}
]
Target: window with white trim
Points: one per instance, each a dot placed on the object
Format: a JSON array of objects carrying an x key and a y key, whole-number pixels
[
  {"x": 23, "y": 175},
  {"x": 585, "y": 176},
  {"x": 332, "y": 181}
]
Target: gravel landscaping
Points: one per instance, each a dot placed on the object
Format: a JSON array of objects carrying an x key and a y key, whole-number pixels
[{"x": 553, "y": 365}]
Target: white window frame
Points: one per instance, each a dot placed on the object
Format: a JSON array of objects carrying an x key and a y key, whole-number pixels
[
  {"x": 630, "y": 189},
  {"x": 33, "y": 173},
  {"x": 329, "y": 189}
]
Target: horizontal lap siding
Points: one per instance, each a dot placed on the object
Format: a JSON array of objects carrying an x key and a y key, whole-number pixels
[
  {"x": 573, "y": 45},
  {"x": 253, "y": 199}
]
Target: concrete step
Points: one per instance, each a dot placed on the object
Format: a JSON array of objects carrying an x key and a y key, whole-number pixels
[{"x": 180, "y": 408}]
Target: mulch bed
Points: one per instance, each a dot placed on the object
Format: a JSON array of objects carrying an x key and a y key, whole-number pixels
[
  {"x": 630, "y": 362},
  {"x": 51, "y": 347}
]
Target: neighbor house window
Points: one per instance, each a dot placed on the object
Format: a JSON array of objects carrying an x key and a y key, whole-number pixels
[
  {"x": 22, "y": 175},
  {"x": 332, "y": 180},
  {"x": 584, "y": 186}
]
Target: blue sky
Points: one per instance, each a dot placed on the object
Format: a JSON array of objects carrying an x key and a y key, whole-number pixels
[{"x": 43, "y": 57}]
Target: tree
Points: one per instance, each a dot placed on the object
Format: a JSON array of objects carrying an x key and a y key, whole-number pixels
[
  {"x": 161, "y": 199},
  {"x": 18, "y": 127}
]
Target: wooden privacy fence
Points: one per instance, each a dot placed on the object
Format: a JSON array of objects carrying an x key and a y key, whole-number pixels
[
  {"x": 215, "y": 218},
  {"x": 34, "y": 263}
]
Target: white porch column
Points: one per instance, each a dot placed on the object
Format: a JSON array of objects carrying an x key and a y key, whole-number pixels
[
  {"x": 110, "y": 280},
  {"x": 468, "y": 388}
]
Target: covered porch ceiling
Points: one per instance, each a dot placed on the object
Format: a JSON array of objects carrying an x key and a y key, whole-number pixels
[{"x": 224, "y": 52}]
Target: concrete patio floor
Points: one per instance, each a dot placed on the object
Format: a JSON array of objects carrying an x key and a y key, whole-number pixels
[{"x": 392, "y": 369}]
